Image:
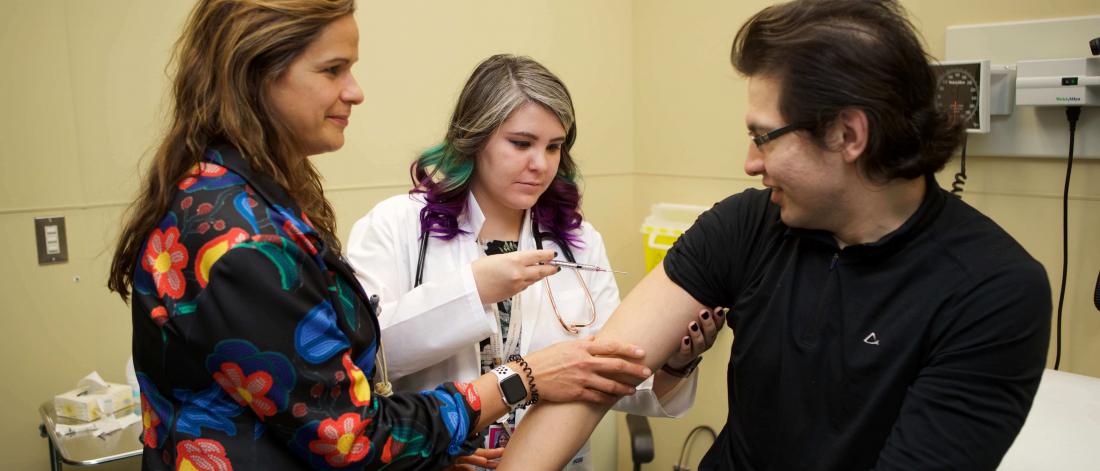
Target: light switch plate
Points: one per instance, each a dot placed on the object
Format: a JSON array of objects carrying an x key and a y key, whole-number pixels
[{"x": 49, "y": 233}]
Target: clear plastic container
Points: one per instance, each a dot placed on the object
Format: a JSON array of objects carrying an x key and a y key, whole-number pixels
[{"x": 131, "y": 379}]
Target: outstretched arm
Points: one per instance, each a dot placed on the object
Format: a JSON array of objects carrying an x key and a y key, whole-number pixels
[{"x": 651, "y": 317}]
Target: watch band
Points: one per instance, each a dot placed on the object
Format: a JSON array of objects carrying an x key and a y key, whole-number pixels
[
  {"x": 512, "y": 388},
  {"x": 685, "y": 371}
]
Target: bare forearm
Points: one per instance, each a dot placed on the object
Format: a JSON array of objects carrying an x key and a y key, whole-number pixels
[
  {"x": 665, "y": 384},
  {"x": 492, "y": 406},
  {"x": 651, "y": 317}
]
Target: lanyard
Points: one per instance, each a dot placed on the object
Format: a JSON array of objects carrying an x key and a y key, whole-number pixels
[{"x": 500, "y": 348}]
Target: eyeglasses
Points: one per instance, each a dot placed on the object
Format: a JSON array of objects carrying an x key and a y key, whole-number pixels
[
  {"x": 772, "y": 135},
  {"x": 573, "y": 328}
]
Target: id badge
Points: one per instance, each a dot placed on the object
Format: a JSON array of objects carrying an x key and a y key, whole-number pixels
[{"x": 497, "y": 437}]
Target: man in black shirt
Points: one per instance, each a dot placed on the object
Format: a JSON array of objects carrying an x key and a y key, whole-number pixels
[{"x": 880, "y": 323}]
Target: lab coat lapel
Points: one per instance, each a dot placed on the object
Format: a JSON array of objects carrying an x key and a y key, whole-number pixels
[
  {"x": 472, "y": 218},
  {"x": 471, "y": 221},
  {"x": 529, "y": 299}
]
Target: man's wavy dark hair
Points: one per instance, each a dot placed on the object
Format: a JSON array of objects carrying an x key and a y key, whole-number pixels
[{"x": 831, "y": 55}]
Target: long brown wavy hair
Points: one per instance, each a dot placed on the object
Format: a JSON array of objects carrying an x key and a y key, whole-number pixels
[{"x": 227, "y": 55}]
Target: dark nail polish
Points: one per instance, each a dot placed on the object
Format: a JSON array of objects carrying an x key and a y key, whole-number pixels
[
  {"x": 694, "y": 327},
  {"x": 706, "y": 315}
]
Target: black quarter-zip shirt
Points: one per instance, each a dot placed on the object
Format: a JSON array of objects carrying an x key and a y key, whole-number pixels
[{"x": 922, "y": 350}]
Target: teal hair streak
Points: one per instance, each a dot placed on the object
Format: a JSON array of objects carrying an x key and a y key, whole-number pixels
[{"x": 440, "y": 160}]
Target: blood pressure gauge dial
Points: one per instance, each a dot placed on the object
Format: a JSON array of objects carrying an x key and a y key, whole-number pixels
[
  {"x": 957, "y": 94},
  {"x": 961, "y": 92}
]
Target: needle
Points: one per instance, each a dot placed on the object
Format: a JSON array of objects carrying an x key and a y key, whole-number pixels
[{"x": 582, "y": 266}]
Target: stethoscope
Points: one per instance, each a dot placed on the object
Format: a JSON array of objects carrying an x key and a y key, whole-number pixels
[
  {"x": 564, "y": 248},
  {"x": 570, "y": 327}
]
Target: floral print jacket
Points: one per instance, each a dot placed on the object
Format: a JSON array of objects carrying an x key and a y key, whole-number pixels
[{"x": 255, "y": 345}]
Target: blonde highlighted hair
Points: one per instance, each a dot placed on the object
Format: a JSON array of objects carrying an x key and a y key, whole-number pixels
[{"x": 498, "y": 86}]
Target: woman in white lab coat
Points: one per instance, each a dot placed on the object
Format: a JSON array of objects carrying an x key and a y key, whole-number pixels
[{"x": 450, "y": 259}]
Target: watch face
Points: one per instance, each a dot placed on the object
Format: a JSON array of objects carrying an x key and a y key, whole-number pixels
[{"x": 513, "y": 390}]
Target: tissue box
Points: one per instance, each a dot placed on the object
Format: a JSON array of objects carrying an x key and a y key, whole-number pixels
[{"x": 82, "y": 404}]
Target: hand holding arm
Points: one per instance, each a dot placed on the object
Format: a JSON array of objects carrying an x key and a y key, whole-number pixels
[
  {"x": 651, "y": 317},
  {"x": 578, "y": 370},
  {"x": 700, "y": 336},
  {"x": 481, "y": 458}
]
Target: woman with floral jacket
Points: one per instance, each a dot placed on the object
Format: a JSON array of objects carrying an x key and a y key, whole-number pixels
[{"x": 254, "y": 345}]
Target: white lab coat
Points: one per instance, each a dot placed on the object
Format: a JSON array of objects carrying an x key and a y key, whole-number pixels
[{"x": 431, "y": 333}]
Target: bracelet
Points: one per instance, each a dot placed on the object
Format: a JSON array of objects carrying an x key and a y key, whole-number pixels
[
  {"x": 530, "y": 379},
  {"x": 685, "y": 371}
]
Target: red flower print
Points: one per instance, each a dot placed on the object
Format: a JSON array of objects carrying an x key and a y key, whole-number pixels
[
  {"x": 360, "y": 385},
  {"x": 268, "y": 238},
  {"x": 159, "y": 315},
  {"x": 299, "y": 410},
  {"x": 341, "y": 441},
  {"x": 472, "y": 398},
  {"x": 213, "y": 250},
  {"x": 149, "y": 422},
  {"x": 203, "y": 169},
  {"x": 202, "y": 454},
  {"x": 299, "y": 237},
  {"x": 247, "y": 390},
  {"x": 388, "y": 450},
  {"x": 164, "y": 257}
]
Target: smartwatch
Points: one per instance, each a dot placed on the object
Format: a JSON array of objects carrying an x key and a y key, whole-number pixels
[{"x": 512, "y": 390}]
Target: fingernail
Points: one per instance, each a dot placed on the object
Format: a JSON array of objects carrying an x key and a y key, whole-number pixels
[
  {"x": 694, "y": 327},
  {"x": 706, "y": 315},
  {"x": 687, "y": 341}
]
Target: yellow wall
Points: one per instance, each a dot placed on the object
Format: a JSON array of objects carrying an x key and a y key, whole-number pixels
[{"x": 660, "y": 117}]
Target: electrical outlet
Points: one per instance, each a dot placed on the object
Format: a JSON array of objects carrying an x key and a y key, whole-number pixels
[{"x": 49, "y": 233}]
